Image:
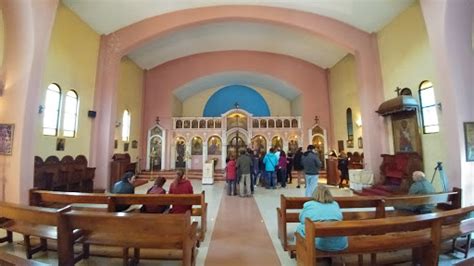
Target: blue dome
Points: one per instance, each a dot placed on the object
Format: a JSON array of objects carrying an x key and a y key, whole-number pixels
[{"x": 248, "y": 99}]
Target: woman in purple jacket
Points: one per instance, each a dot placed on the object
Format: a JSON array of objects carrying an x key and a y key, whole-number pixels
[{"x": 282, "y": 163}]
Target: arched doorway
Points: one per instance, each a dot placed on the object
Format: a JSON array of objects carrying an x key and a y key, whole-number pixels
[
  {"x": 236, "y": 143},
  {"x": 155, "y": 160},
  {"x": 180, "y": 161}
]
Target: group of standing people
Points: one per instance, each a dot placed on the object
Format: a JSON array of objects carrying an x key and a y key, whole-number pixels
[
  {"x": 180, "y": 185},
  {"x": 274, "y": 168}
]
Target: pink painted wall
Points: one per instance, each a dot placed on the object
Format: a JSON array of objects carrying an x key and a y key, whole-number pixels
[
  {"x": 309, "y": 79},
  {"x": 449, "y": 26},
  {"x": 28, "y": 26},
  {"x": 125, "y": 40}
]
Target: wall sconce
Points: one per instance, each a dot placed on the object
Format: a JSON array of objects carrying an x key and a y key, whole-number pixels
[
  {"x": 118, "y": 124},
  {"x": 40, "y": 109},
  {"x": 358, "y": 122}
]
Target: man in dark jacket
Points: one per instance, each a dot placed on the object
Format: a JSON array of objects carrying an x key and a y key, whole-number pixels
[
  {"x": 124, "y": 186},
  {"x": 244, "y": 166},
  {"x": 311, "y": 165}
]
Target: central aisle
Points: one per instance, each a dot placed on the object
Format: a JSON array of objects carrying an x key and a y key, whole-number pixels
[{"x": 240, "y": 236}]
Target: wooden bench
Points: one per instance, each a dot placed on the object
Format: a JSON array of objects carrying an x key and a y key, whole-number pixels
[
  {"x": 290, "y": 206},
  {"x": 33, "y": 221},
  {"x": 12, "y": 260},
  {"x": 173, "y": 233},
  {"x": 381, "y": 207},
  {"x": 421, "y": 233},
  {"x": 59, "y": 199},
  {"x": 197, "y": 200}
]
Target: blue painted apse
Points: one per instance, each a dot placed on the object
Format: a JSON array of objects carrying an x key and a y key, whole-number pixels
[{"x": 248, "y": 99}]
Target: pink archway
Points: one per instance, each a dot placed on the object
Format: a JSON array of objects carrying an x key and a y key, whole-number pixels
[{"x": 121, "y": 42}]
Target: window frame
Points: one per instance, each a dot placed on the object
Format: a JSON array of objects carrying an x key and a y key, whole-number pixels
[
  {"x": 423, "y": 107},
  {"x": 58, "y": 110},
  {"x": 65, "y": 114},
  {"x": 124, "y": 124}
]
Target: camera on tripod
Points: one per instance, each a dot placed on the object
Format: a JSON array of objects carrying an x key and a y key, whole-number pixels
[{"x": 442, "y": 176}]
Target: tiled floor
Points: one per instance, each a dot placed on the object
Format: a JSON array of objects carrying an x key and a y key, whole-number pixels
[{"x": 266, "y": 202}]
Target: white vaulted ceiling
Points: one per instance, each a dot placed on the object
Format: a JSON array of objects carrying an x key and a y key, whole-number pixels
[
  {"x": 248, "y": 36},
  {"x": 107, "y": 16}
]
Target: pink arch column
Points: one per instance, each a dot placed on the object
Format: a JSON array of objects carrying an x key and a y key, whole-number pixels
[
  {"x": 28, "y": 26},
  {"x": 449, "y": 26},
  {"x": 105, "y": 104},
  {"x": 360, "y": 43}
]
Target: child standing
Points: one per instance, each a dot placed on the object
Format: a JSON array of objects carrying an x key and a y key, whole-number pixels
[{"x": 231, "y": 176}]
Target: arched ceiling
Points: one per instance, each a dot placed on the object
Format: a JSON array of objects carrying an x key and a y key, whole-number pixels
[
  {"x": 248, "y": 36},
  {"x": 236, "y": 77},
  {"x": 106, "y": 16}
]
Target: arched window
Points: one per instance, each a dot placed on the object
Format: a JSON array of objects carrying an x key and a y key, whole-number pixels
[
  {"x": 51, "y": 110},
  {"x": 428, "y": 108},
  {"x": 70, "y": 114},
  {"x": 350, "y": 129},
  {"x": 126, "y": 125}
]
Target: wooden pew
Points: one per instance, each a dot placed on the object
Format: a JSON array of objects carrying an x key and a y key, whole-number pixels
[
  {"x": 421, "y": 233},
  {"x": 290, "y": 207},
  {"x": 442, "y": 201},
  {"x": 33, "y": 221},
  {"x": 12, "y": 260},
  {"x": 58, "y": 199},
  {"x": 129, "y": 230},
  {"x": 197, "y": 200}
]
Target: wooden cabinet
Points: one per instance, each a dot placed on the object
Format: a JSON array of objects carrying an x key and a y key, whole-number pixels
[
  {"x": 332, "y": 172},
  {"x": 67, "y": 174},
  {"x": 119, "y": 165}
]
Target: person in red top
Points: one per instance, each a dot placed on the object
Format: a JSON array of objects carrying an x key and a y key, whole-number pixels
[
  {"x": 157, "y": 188},
  {"x": 231, "y": 176},
  {"x": 181, "y": 185}
]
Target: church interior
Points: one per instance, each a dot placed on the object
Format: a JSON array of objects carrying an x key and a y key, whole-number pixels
[{"x": 93, "y": 89}]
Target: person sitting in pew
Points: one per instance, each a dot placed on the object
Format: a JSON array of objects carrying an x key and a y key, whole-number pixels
[
  {"x": 157, "y": 188},
  {"x": 181, "y": 185},
  {"x": 323, "y": 208},
  {"x": 420, "y": 186},
  {"x": 124, "y": 186}
]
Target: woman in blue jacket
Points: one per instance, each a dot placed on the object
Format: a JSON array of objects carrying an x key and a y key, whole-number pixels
[{"x": 323, "y": 208}]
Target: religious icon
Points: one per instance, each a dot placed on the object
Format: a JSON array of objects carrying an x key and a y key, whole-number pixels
[
  {"x": 6, "y": 139},
  {"x": 405, "y": 133},
  {"x": 60, "y": 144},
  {"x": 214, "y": 147},
  {"x": 196, "y": 148}
]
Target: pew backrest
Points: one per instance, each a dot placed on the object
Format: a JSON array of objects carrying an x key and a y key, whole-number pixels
[
  {"x": 128, "y": 230},
  {"x": 48, "y": 198}
]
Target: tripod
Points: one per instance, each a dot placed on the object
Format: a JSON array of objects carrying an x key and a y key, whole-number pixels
[{"x": 442, "y": 176}]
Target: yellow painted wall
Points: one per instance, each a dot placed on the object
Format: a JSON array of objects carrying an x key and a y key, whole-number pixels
[
  {"x": 177, "y": 107},
  {"x": 2, "y": 37},
  {"x": 343, "y": 94},
  {"x": 406, "y": 60},
  {"x": 130, "y": 93},
  {"x": 297, "y": 106},
  {"x": 71, "y": 63},
  {"x": 278, "y": 105}
]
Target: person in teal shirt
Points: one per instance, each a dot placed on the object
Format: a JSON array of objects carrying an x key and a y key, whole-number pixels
[
  {"x": 323, "y": 208},
  {"x": 420, "y": 186}
]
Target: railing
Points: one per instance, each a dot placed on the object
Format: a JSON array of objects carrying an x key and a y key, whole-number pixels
[{"x": 218, "y": 122}]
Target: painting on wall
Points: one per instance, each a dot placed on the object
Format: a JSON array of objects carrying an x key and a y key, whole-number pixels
[
  {"x": 359, "y": 143},
  {"x": 406, "y": 137},
  {"x": 196, "y": 148},
  {"x": 125, "y": 146},
  {"x": 134, "y": 144},
  {"x": 215, "y": 145},
  {"x": 115, "y": 144},
  {"x": 350, "y": 143},
  {"x": 60, "y": 144},
  {"x": 6, "y": 139},
  {"x": 469, "y": 139}
]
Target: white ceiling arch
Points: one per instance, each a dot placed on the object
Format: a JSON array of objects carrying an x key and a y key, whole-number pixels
[
  {"x": 222, "y": 79},
  {"x": 367, "y": 15},
  {"x": 106, "y": 16},
  {"x": 235, "y": 35}
]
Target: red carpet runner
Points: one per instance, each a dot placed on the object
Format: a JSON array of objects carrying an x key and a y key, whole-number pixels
[{"x": 239, "y": 236}]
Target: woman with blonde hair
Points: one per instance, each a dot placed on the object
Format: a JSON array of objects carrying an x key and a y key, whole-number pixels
[{"x": 323, "y": 208}]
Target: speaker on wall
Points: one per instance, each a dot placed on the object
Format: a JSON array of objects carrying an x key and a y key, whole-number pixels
[{"x": 91, "y": 114}]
